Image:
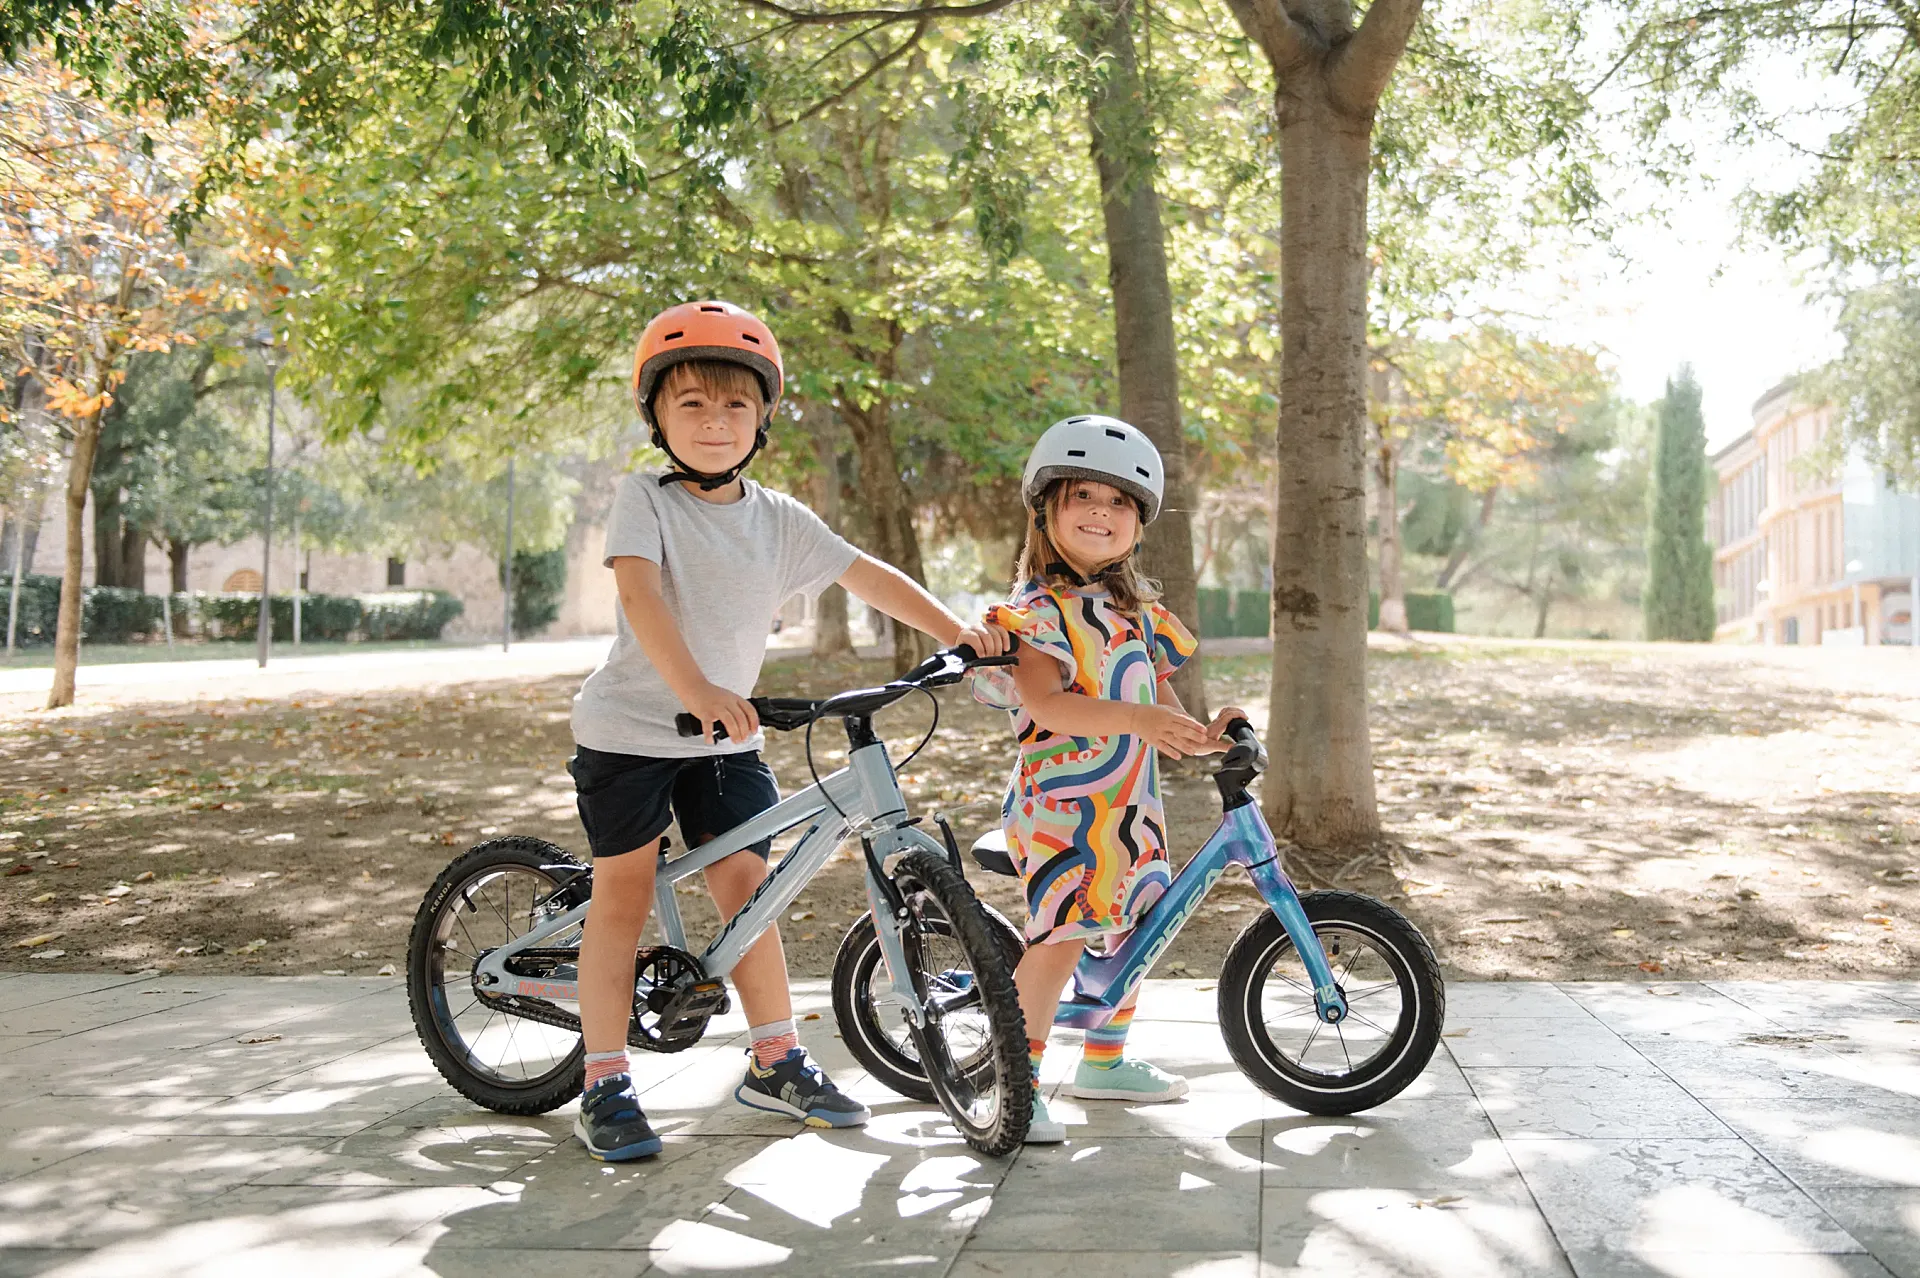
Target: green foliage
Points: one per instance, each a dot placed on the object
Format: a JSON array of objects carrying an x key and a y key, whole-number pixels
[
  {"x": 1425, "y": 611},
  {"x": 1227, "y": 613},
  {"x": 408, "y": 614},
  {"x": 1679, "y": 598},
  {"x": 321, "y": 616},
  {"x": 539, "y": 583},
  {"x": 39, "y": 609},
  {"x": 115, "y": 614},
  {"x": 1872, "y": 386}
]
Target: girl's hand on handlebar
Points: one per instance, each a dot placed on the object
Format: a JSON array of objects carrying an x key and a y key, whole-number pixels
[
  {"x": 1218, "y": 728},
  {"x": 1174, "y": 733},
  {"x": 986, "y": 639},
  {"x": 713, "y": 704}
]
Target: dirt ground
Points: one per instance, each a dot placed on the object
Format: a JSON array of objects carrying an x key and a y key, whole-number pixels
[{"x": 1570, "y": 812}]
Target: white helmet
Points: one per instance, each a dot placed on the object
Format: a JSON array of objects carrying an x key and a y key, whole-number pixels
[{"x": 1099, "y": 448}]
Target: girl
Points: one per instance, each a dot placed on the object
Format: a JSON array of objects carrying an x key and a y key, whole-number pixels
[{"x": 1091, "y": 706}]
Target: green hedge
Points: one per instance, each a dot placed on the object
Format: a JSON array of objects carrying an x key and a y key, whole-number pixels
[
  {"x": 539, "y": 583},
  {"x": 408, "y": 614},
  {"x": 1227, "y": 613},
  {"x": 111, "y": 614},
  {"x": 1433, "y": 612},
  {"x": 39, "y": 609}
]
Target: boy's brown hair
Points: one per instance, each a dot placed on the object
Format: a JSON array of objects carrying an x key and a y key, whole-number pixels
[
  {"x": 1040, "y": 559},
  {"x": 717, "y": 377}
]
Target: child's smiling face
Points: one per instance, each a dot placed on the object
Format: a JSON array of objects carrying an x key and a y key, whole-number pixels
[
  {"x": 1093, "y": 524},
  {"x": 709, "y": 428}
]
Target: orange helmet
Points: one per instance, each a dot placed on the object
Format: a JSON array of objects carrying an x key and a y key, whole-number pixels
[{"x": 705, "y": 330}]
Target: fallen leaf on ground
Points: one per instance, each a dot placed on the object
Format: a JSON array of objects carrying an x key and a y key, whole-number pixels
[
  {"x": 22, "y": 868},
  {"x": 388, "y": 970},
  {"x": 41, "y": 939},
  {"x": 1651, "y": 966},
  {"x": 48, "y": 954},
  {"x": 43, "y": 898},
  {"x": 799, "y": 916},
  {"x": 145, "y": 876},
  {"x": 261, "y": 1038},
  {"x": 133, "y": 919}
]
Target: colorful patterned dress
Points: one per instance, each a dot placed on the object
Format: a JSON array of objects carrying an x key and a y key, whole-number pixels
[{"x": 1083, "y": 816}]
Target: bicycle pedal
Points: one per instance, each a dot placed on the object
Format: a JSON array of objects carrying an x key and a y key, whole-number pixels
[{"x": 684, "y": 1018}]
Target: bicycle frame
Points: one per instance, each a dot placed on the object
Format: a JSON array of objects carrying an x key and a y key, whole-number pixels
[
  {"x": 1103, "y": 982},
  {"x": 867, "y": 796}
]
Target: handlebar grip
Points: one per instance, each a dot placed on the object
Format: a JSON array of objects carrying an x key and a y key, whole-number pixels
[
  {"x": 1241, "y": 730},
  {"x": 690, "y": 727},
  {"x": 1011, "y": 657}
]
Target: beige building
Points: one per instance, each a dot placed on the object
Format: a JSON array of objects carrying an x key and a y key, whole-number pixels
[{"x": 1804, "y": 555}]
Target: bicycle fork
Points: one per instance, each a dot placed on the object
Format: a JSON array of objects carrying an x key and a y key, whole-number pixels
[{"x": 1102, "y": 982}]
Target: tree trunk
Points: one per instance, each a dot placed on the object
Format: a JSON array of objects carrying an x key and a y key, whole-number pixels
[
  {"x": 1121, "y": 127},
  {"x": 1468, "y": 540},
  {"x": 1328, "y": 78},
  {"x": 66, "y": 643},
  {"x": 831, "y": 634},
  {"x": 1393, "y": 591},
  {"x": 1319, "y": 790},
  {"x": 133, "y": 556},
  {"x": 177, "y": 565},
  {"x": 888, "y": 511},
  {"x": 1541, "y": 603}
]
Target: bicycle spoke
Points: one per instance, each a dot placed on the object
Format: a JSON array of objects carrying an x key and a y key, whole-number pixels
[
  {"x": 1368, "y": 1023},
  {"x": 1354, "y": 996}
]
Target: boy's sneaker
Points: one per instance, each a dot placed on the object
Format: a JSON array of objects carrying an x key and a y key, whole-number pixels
[
  {"x": 1135, "y": 1081},
  {"x": 611, "y": 1125},
  {"x": 1044, "y": 1128},
  {"x": 796, "y": 1087}
]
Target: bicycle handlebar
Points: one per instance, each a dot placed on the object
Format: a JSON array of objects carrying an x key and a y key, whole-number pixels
[{"x": 785, "y": 714}]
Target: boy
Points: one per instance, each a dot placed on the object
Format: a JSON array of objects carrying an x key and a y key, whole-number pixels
[{"x": 702, "y": 559}]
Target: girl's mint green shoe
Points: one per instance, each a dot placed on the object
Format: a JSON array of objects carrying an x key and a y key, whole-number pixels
[
  {"x": 1135, "y": 1081},
  {"x": 1044, "y": 1128}
]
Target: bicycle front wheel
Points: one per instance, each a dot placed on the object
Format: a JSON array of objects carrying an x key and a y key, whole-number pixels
[
  {"x": 972, "y": 1047},
  {"x": 491, "y": 895},
  {"x": 1396, "y": 1003}
]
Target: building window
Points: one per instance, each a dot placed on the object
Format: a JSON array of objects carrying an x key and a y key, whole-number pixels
[
  {"x": 1790, "y": 631},
  {"x": 396, "y": 572}
]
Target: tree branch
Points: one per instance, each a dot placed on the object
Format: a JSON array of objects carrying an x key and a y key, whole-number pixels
[
  {"x": 818, "y": 18},
  {"x": 1362, "y": 68},
  {"x": 1287, "y": 44}
]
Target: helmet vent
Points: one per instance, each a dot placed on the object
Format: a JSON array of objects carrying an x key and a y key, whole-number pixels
[
  {"x": 751, "y": 338},
  {"x": 1115, "y": 434},
  {"x": 1075, "y": 420},
  {"x": 1076, "y": 452},
  {"x": 714, "y": 310},
  {"x": 1143, "y": 472},
  {"x": 672, "y": 337}
]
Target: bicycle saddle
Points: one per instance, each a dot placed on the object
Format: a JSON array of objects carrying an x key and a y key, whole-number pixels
[{"x": 991, "y": 852}]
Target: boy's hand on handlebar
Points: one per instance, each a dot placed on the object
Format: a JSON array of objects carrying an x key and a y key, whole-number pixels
[
  {"x": 985, "y": 638},
  {"x": 1172, "y": 732},
  {"x": 713, "y": 704}
]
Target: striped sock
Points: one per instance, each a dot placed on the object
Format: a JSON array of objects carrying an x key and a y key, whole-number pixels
[
  {"x": 772, "y": 1042},
  {"x": 1105, "y": 1045},
  {"x": 1036, "y": 1048},
  {"x": 605, "y": 1065}
]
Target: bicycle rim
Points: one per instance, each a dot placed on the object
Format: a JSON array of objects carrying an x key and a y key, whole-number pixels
[
  {"x": 1377, "y": 1027},
  {"x": 955, "y": 1046},
  {"x": 493, "y": 908}
]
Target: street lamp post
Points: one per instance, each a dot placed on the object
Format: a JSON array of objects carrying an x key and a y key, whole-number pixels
[
  {"x": 506, "y": 571},
  {"x": 265, "y": 339}
]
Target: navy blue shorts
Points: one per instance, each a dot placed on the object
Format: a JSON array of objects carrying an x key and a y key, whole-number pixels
[{"x": 627, "y": 801}]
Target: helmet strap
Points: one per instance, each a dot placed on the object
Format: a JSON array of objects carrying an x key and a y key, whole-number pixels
[{"x": 685, "y": 474}]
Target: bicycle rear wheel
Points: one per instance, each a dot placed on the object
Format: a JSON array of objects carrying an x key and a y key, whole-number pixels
[
  {"x": 487, "y": 897},
  {"x": 973, "y": 1046}
]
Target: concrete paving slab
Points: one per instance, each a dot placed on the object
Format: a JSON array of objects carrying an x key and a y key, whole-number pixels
[
  {"x": 1589, "y": 1101},
  {"x": 1383, "y": 1232},
  {"x": 1590, "y": 1129},
  {"x": 1651, "y": 1197}
]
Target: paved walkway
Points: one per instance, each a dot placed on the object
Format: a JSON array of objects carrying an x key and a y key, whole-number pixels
[{"x": 161, "y": 1127}]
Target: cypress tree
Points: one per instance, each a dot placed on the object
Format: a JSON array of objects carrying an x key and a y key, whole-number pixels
[{"x": 1679, "y": 597}]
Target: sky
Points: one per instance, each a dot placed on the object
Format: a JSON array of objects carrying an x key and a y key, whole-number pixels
[{"x": 1686, "y": 287}]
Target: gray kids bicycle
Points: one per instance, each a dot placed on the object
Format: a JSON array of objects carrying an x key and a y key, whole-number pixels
[{"x": 492, "y": 961}]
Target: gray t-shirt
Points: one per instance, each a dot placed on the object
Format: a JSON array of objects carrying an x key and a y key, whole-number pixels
[{"x": 724, "y": 571}]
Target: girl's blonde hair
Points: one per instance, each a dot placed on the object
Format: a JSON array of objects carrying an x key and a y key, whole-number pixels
[{"x": 1041, "y": 560}]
